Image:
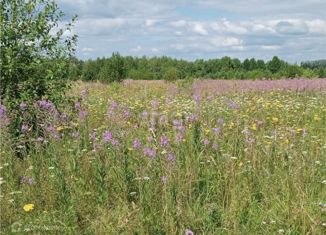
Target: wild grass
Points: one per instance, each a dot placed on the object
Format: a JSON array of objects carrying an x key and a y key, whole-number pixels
[{"x": 164, "y": 159}]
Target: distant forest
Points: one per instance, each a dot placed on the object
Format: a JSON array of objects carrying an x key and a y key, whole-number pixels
[{"x": 117, "y": 68}]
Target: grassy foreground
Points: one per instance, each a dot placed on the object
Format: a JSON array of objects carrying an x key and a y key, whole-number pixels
[{"x": 163, "y": 159}]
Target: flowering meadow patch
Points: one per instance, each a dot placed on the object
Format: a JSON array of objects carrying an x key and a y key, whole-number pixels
[{"x": 212, "y": 157}]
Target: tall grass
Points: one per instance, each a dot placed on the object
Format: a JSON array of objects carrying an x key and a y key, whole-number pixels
[{"x": 173, "y": 160}]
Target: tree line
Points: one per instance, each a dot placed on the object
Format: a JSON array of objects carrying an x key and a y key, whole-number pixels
[{"x": 117, "y": 68}]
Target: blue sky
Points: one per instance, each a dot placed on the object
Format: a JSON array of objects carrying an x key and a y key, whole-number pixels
[{"x": 188, "y": 29}]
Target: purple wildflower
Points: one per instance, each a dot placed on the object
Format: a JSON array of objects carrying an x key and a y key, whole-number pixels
[
  {"x": 126, "y": 113},
  {"x": 84, "y": 93},
  {"x": 164, "y": 141},
  {"x": 107, "y": 136},
  {"x": 217, "y": 131},
  {"x": 30, "y": 181},
  {"x": 45, "y": 104},
  {"x": 145, "y": 114},
  {"x": 304, "y": 132},
  {"x": 189, "y": 232},
  {"x": 2, "y": 111},
  {"x": 40, "y": 139},
  {"x": 179, "y": 138},
  {"x": 163, "y": 119},
  {"x": 197, "y": 98},
  {"x": 77, "y": 105},
  {"x": 82, "y": 114},
  {"x": 136, "y": 144},
  {"x": 50, "y": 129},
  {"x": 112, "y": 108},
  {"x": 92, "y": 136},
  {"x": 114, "y": 142},
  {"x": 149, "y": 152},
  {"x": 215, "y": 146},
  {"x": 22, "y": 179},
  {"x": 22, "y": 106},
  {"x": 75, "y": 134},
  {"x": 193, "y": 117},
  {"x": 171, "y": 157},
  {"x": 154, "y": 104},
  {"x": 24, "y": 128},
  {"x": 206, "y": 142}
]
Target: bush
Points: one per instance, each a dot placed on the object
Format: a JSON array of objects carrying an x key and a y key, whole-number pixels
[{"x": 35, "y": 56}]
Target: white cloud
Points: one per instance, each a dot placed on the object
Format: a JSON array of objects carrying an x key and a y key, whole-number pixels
[
  {"x": 225, "y": 25},
  {"x": 317, "y": 26},
  {"x": 199, "y": 28},
  {"x": 179, "y": 23},
  {"x": 226, "y": 42},
  {"x": 87, "y": 49},
  {"x": 248, "y": 28},
  {"x": 136, "y": 49},
  {"x": 150, "y": 22},
  {"x": 270, "y": 47}
]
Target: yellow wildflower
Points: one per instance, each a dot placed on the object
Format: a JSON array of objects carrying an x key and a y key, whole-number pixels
[
  {"x": 60, "y": 128},
  {"x": 275, "y": 119},
  {"x": 28, "y": 207}
]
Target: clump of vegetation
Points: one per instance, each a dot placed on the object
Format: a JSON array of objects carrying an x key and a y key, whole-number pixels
[
  {"x": 35, "y": 54},
  {"x": 152, "y": 159},
  {"x": 165, "y": 68}
]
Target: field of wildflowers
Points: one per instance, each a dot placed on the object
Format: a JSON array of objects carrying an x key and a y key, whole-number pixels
[{"x": 208, "y": 157}]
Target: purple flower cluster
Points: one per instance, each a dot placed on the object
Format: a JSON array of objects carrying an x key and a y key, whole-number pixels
[
  {"x": 149, "y": 152},
  {"x": 26, "y": 180}
]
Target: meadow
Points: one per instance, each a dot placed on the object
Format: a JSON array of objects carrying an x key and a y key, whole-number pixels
[{"x": 151, "y": 157}]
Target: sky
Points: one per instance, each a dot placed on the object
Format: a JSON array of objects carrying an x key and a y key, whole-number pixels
[{"x": 188, "y": 29}]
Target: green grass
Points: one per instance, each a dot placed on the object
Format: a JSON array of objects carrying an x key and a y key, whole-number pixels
[{"x": 267, "y": 175}]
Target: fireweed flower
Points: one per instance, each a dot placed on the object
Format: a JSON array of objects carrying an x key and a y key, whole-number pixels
[
  {"x": 206, "y": 142},
  {"x": 82, "y": 114},
  {"x": 215, "y": 146},
  {"x": 50, "y": 129},
  {"x": 171, "y": 157},
  {"x": 114, "y": 142},
  {"x": 193, "y": 118},
  {"x": 92, "y": 136},
  {"x": 217, "y": 131},
  {"x": 163, "y": 120},
  {"x": 136, "y": 144},
  {"x": 22, "y": 106},
  {"x": 45, "y": 104},
  {"x": 24, "y": 128},
  {"x": 112, "y": 108},
  {"x": 155, "y": 104},
  {"x": 197, "y": 98},
  {"x": 149, "y": 152},
  {"x": 40, "y": 139},
  {"x": 164, "y": 141},
  {"x": 126, "y": 113},
  {"x": 75, "y": 134},
  {"x": 233, "y": 105},
  {"x": 77, "y": 105},
  {"x": 84, "y": 93},
  {"x": 107, "y": 136},
  {"x": 178, "y": 138},
  {"x": 2, "y": 111}
]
